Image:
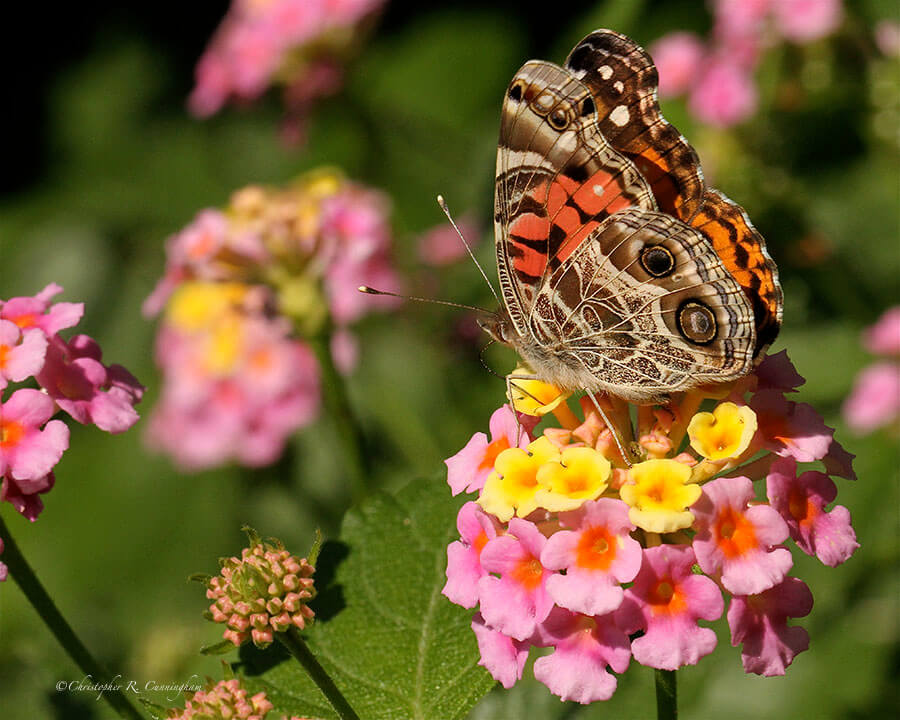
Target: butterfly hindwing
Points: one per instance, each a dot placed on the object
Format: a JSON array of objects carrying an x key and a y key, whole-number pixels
[{"x": 647, "y": 307}]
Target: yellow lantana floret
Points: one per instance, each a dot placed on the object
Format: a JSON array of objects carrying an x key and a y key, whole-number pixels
[
  {"x": 580, "y": 474},
  {"x": 511, "y": 488},
  {"x": 198, "y": 305},
  {"x": 534, "y": 397},
  {"x": 659, "y": 495},
  {"x": 724, "y": 433}
]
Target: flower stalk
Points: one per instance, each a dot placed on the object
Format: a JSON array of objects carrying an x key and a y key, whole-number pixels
[
  {"x": 346, "y": 425},
  {"x": 666, "y": 695},
  {"x": 301, "y": 652},
  {"x": 41, "y": 601}
]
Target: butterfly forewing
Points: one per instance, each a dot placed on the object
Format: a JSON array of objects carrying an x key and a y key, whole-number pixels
[{"x": 557, "y": 179}]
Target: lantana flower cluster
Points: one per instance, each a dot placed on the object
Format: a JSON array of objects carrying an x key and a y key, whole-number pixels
[
  {"x": 717, "y": 75},
  {"x": 242, "y": 287},
  {"x": 41, "y": 374},
  {"x": 874, "y": 401},
  {"x": 568, "y": 546},
  {"x": 298, "y": 45},
  {"x": 264, "y": 591},
  {"x": 225, "y": 699}
]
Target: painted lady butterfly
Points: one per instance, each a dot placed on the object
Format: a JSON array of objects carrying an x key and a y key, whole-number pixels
[{"x": 621, "y": 272}]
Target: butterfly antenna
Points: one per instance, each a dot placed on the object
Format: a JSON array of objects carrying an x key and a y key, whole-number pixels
[
  {"x": 443, "y": 204},
  {"x": 372, "y": 291}
]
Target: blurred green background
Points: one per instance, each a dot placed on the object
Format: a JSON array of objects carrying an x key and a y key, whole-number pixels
[{"x": 103, "y": 163}]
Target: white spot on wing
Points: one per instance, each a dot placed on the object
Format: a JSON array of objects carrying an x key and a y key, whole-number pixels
[
  {"x": 605, "y": 71},
  {"x": 620, "y": 116},
  {"x": 598, "y": 190},
  {"x": 619, "y": 86}
]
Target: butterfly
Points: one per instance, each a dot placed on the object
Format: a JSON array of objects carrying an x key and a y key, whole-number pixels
[{"x": 621, "y": 272}]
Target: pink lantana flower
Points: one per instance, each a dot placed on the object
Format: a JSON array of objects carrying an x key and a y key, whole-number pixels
[
  {"x": 790, "y": 429},
  {"x": 38, "y": 312},
  {"x": 803, "y": 21},
  {"x": 777, "y": 372},
  {"x": 724, "y": 94},
  {"x": 584, "y": 647},
  {"x": 760, "y": 623},
  {"x": 28, "y": 452},
  {"x": 883, "y": 338},
  {"x": 24, "y": 495},
  {"x": 801, "y": 501},
  {"x": 21, "y": 352},
  {"x": 280, "y": 42},
  {"x": 84, "y": 387},
  {"x": 464, "y": 569},
  {"x": 874, "y": 401},
  {"x": 502, "y": 656},
  {"x": 470, "y": 467},
  {"x": 441, "y": 245},
  {"x": 356, "y": 244},
  {"x": 666, "y": 601},
  {"x": 517, "y": 601},
  {"x": 597, "y": 554},
  {"x": 838, "y": 462},
  {"x": 677, "y": 57},
  {"x": 735, "y": 541}
]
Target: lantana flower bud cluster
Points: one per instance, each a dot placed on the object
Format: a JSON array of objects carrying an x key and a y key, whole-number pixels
[
  {"x": 243, "y": 287},
  {"x": 263, "y": 592},
  {"x": 570, "y": 545},
  {"x": 297, "y": 45},
  {"x": 225, "y": 699},
  {"x": 42, "y": 374}
]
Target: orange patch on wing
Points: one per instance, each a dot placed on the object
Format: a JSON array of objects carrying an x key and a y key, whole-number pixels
[
  {"x": 602, "y": 192},
  {"x": 658, "y": 174},
  {"x": 560, "y": 191},
  {"x": 527, "y": 260},
  {"x": 530, "y": 227},
  {"x": 574, "y": 240}
]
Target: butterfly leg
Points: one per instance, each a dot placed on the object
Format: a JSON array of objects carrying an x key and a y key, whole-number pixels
[
  {"x": 509, "y": 396},
  {"x": 617, "y": 436}
]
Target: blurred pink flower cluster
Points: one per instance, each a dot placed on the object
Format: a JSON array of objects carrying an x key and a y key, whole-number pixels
[
  {"x": 569, "y": 547},
  {"x": 874, "y": 401},
  {"x": 242, "y": 287},
  {"x": 71, "y": 377},
  {"x": 717, "y": 75},
  {"x": 296, "y": 44}
]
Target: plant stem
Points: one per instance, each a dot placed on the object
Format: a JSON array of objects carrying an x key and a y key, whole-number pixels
[
  {"x": 297, "y": 647},
  {"x": 347, "y": 427},
  {"x": 36, "y": 594},
  {"x": 666, "y": 695}
]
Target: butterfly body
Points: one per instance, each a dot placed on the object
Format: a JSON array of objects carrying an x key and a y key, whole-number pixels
[{"x": 620, "y": 271}]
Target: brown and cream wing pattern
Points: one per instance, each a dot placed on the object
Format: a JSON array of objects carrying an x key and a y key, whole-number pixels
[{"x": 623, "y": 82}]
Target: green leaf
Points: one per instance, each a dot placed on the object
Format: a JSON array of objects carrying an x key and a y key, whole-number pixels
[{"x": 394, "y": 646}]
